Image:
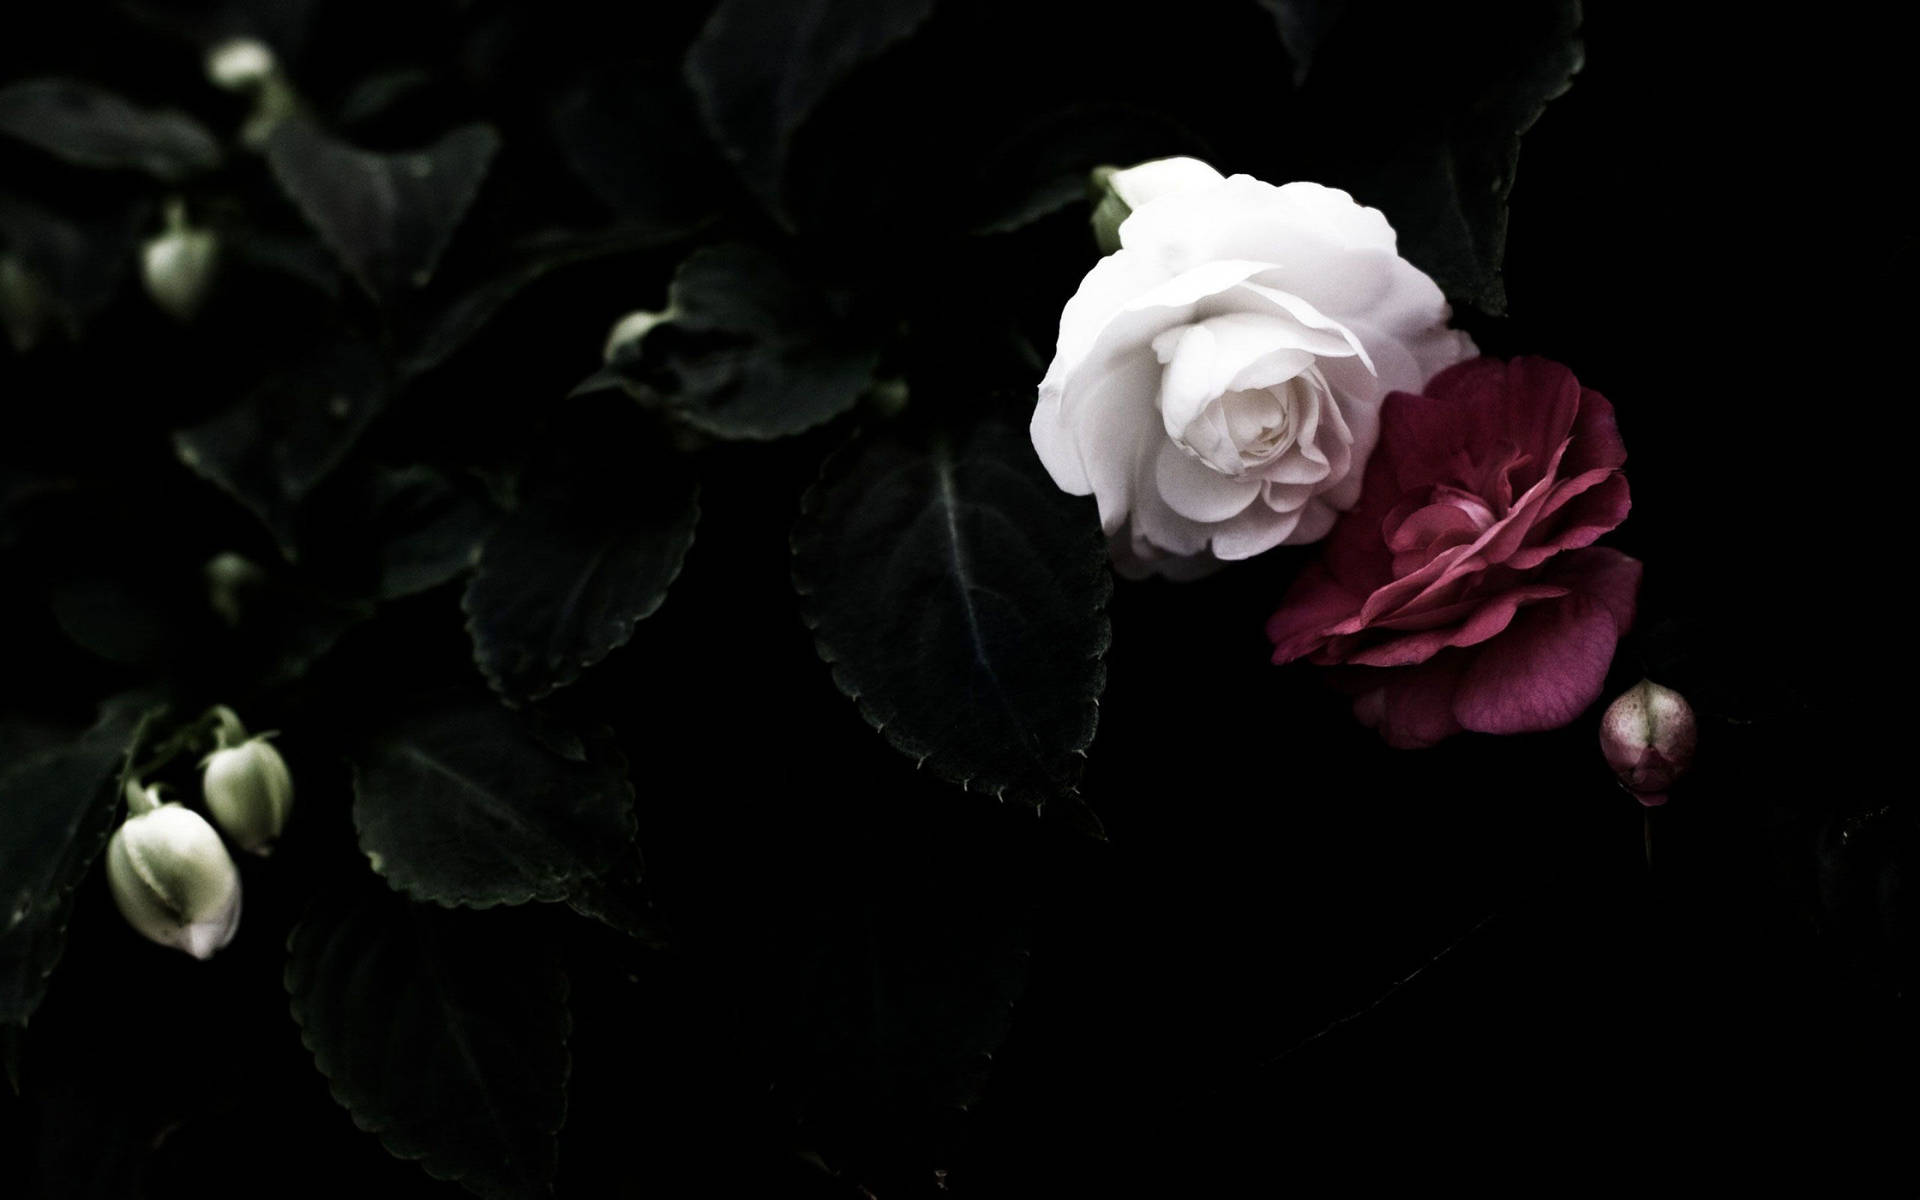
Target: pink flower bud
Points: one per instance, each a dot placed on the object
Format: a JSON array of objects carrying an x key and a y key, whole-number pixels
[{"x": 1648, "y": 736}]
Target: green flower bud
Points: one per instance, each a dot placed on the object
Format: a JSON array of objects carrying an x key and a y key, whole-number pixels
[
  {"x": 249, "y": 791},
  {"x": 633, "y": 327},
  {"x": 177, "y": 267},
  {"x": 173, "y": 880}
]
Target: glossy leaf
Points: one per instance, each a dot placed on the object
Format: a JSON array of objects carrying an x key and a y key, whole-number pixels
[
  {"x": 960, "y": 598},
  {"x": 443, "y": 1033}
]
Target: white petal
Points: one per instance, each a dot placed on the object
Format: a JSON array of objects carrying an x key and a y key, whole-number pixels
[
  {"x": 1198, "y": 492},
  {"x": 1255, "y": 531}
]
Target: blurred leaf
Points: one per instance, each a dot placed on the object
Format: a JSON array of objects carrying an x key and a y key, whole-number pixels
[
  {"x": 759, "y": 67},
  {"x": 388, "y": 217},
  {"x": 273, "y": 448},
  {"x": 633, "y": 138},
  {"x": 747, "y": 351},
  {"x": 465, "y": 803},
  {"x": 1302, "y": 25},
  {"x": 429, "y": 531},
  {"x": 960, "y": 598},
  {"x": 444, "y": 1033},
  {"x": 89, "y": 126},
  {"x": 56, "y": 813},
  {"x": 79, "y": 263},
  {"x": 596, "y": 542}
]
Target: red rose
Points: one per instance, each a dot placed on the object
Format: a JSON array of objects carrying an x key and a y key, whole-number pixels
[{"x": 1463, "y": 590}]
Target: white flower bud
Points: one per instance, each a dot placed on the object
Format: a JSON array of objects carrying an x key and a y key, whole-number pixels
[
  {"x": 177, "y": 267},
  {"x": 633, "y": 327},
  {"x": 1117, "y": 192},
  {"x": 249, "y": 791},
  {"x": 173, "y": 880},
  {"x": 240, "y": 64}
]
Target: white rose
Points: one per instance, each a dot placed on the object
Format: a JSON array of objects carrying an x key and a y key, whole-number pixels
[{"x": 1218, "y": 380}]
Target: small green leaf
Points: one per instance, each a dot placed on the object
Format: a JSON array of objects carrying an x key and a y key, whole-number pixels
[
  {"x": 89, "y": 126},
  {"x": 443, "y": 1033},
  {"x": 960, "y": 597},
  {"x": 464, "y": 803},
  {"x": 748, "y": 351},
  {"x": 387, "y": 217},
  {"x": 759, "y": 67},
  {"x": 56, "y": 813}
]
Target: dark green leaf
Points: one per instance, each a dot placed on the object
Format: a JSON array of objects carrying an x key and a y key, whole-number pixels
[
  {"x": 960, "y": 597},
  {"x": 274, "y": 447},
  {"x": 1302, "y": 25},
  {"x": 91, "y": 127},
  {"x": 759, "y": 67},
  {"x": 56, "y": 812},
  {"x": 464, "y": 803},
  {"x": 456, "y": 324},
  {"x": 388, "y": 217},
  {"x": 429, "y": 530},
  {"x": 634, "y": 139},
  {"x": 444, "y": 1033},
  {"x": 595, "y": 544},
  {"x": 1443, "y": 174},
  {"x": 1043, "y": 167},
  {"x": 748, "y": 350},
  {"x": 78, "y": 264}
]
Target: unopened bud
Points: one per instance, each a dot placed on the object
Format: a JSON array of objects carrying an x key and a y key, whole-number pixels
[
  {"x": 631, "y": 328},
  {"x": 240, "y": 64},
  {"x": 249, "y": 791},
  {"x": 1648, "y": 736},
  {"x": 177, "y": 266},
  {"x": 1117, "y": 193},
  {"x": 173, "y": 881}
]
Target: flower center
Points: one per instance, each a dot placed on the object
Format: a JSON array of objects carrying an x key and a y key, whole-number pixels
[{"x": 1248, "y": 428}]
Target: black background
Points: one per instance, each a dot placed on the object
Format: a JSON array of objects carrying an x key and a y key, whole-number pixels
[{"x": 1705, "y": 228}]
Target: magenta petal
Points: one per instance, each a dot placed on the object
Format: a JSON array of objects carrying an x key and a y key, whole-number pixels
[
  {"x": 1552, "y": 660},
  {"x": 1315, "y": 602},
  {"x": 1412, "y": 707}
]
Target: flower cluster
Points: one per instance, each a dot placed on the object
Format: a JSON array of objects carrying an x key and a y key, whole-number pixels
[{"x": 1255, "y": 366}]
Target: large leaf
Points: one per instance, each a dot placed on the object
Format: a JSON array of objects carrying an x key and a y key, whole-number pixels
[
  {"x": 747, "y": 350},
  {"x": 591, "y": 551},
  {"x": 1443, "y": 173},
  {"x": 444, "y": 1033},
  {"x": 759, "y": 67},
  {"x": 274, "y": 447},
  {"x": 960, "y": 597},
  {"x": 388, "y": 217},
  {"x": 56, "y": 812},
  {"x": 464, "y": 803},
  {"x": 91, "y": 127}
]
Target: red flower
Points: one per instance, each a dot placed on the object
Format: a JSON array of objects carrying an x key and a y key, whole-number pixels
[{"x": 1463, "y": 590}]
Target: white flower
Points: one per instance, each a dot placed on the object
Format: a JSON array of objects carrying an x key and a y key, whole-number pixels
[
  {"x": 1218, "y": 380},
  {"x": 173, "y": 881},
  {"x": 249, "y": 791}
]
